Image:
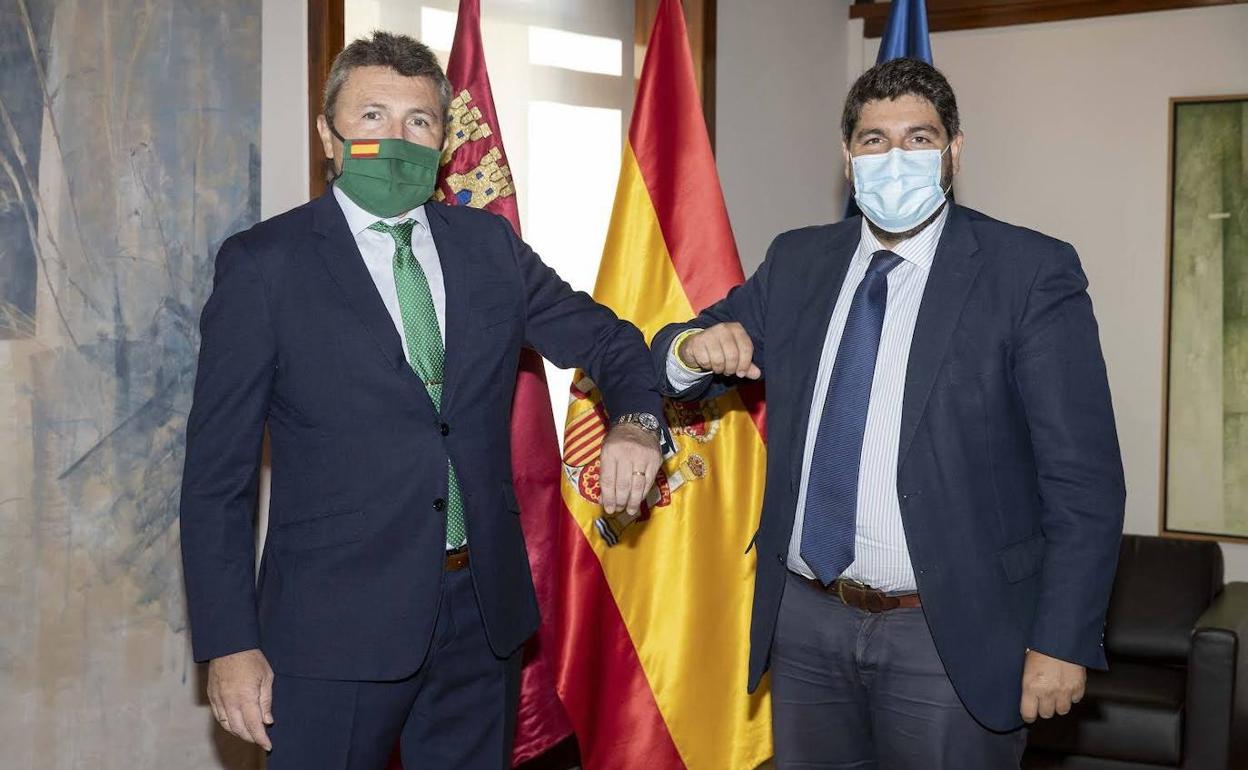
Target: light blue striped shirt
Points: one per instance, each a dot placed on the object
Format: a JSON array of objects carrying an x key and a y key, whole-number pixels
[{"x": 882, "y": 559}]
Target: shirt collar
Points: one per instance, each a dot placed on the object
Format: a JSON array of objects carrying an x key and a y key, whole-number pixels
[
  {"x": 919, "y": 250},
  {"x": 359, "y": 220}
]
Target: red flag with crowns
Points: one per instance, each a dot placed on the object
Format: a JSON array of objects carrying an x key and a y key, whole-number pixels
[
  {"x": 475, "y": 173},
  {"x": 474, "y": 165}
]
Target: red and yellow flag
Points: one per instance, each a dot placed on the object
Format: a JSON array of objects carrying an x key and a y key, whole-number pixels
[
  {"x": 365, "y": 149},
  {"x": 652, "y": 635}
]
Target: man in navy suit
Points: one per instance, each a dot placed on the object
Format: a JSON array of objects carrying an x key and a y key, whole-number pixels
[
  {"x": 377, "y": 336},
  {"x": 944, "y": 488}
]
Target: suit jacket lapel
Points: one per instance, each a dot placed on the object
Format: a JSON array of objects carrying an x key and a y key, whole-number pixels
[
  {"x": 952, "y": 274},
  {"x": 453, "y": 251},
  {"x": 337, "y": 249},
  {"x": 828, "y": 270}
]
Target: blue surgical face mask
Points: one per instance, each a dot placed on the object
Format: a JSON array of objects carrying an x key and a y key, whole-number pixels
[{"x": 898, "y": 190}]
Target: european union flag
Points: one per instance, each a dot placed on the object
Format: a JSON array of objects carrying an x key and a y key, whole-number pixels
[{"x": 905, "y": 37}]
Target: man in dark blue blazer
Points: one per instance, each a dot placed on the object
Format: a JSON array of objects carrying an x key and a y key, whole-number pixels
[
  {"x": 377, "y": 336},
  {"x": 944, "y": 491}
]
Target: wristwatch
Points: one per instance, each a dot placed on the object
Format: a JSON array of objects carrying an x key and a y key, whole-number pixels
[{"x": 644, "y": 420}]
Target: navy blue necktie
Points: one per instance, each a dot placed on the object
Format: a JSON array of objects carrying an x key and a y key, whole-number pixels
[{"x": 832, "y": 491}]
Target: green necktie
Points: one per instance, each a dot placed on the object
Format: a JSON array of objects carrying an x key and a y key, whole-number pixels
[{"x": 425, "y": 352}]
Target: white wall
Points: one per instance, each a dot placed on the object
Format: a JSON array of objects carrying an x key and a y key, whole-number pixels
[
  {"x": 1067, "y": 133},
  {"x": 284, "y": 106},
  {"x": 283, "y": 139},
  {"x": 780, "y": 84}
]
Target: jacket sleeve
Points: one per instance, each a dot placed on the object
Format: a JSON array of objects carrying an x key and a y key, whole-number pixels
[
  {"x": 745, "y": 304},
  {"x": 1060, "y": 375},
  {"x": 237, "y": 359},
  {"x": 572, "y": 330}
]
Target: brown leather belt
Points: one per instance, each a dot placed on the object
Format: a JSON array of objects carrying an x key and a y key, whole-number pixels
[
  {"x": 457, "y": 559},
  {"x": 865, "y": 597}
]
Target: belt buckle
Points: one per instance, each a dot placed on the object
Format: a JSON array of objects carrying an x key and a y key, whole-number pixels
[
  {"x": 456, "y": 559},
  {"x": 840, "y": 588}
]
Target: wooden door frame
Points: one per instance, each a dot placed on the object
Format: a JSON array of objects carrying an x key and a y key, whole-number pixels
[
  {"x": 326, "y": 30},
  {"x": 947, "y": 15}
]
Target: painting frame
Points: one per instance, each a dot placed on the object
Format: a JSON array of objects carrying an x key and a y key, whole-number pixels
[{"x": 1168, "y": 525}]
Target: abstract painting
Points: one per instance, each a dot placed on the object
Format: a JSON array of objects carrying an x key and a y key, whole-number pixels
[
  {"x": 1206, "y": 461},
  {"x": 128, "y": 152}
]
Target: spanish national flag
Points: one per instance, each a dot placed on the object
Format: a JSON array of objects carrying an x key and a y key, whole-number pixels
[
  {"x": 651, "y": 635},
  {"x": 365, "y": 149}
]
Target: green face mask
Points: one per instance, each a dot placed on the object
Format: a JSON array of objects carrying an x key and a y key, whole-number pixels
[{"x": 387, "y": 177}]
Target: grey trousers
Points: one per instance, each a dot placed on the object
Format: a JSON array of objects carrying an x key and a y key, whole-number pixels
[{"x": 852, "y": 689}]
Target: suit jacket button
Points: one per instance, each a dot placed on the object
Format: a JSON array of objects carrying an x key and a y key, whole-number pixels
[
  {"x": 439, "y": 505},
  {"x": 446, "y": 429},
  {"x": 782, "y": 558}
]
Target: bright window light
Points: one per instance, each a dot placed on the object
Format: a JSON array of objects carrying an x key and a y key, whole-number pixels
[
  {"x": 437, "y": 28},
  {"x": 574, "y": 164},
  {"x": 573, "y": 51},
  {"x": 361, "y": 18}
]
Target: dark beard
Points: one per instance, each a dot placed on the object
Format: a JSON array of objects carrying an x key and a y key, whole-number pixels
[{"x": 892, "y": 239}]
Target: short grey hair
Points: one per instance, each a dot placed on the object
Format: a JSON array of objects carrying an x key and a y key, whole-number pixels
[{"x": 401, "y": 53}]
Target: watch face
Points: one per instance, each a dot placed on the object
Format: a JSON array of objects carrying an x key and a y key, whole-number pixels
[{"x": 644, "y": 419}]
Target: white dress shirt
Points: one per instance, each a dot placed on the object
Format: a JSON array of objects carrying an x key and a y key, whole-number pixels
[
  {"x": 882, "y": 559},
  {"x": 377, "y": 250}
]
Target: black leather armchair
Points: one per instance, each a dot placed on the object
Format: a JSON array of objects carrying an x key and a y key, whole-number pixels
[{"x": 1176, "y": 694}]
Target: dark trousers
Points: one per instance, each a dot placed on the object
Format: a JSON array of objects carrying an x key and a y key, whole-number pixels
[
  {"x": 852, "y": 689},
  {"x": 458, "y": 711}
]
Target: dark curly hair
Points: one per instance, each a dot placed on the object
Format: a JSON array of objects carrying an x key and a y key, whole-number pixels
[{"x": 901, "y": 77}]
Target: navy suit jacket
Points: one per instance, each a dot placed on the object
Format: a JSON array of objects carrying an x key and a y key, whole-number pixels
[
  {"x": 296, "y": 336},
  {"x": 1009, "y": 475}
]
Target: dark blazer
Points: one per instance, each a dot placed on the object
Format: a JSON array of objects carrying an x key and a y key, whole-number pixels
[
  {"x": 1009, "y": 476},
  {"x": 295, "y": 336}
]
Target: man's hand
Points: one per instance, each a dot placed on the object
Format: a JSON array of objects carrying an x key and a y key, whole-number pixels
[
  {"x": 240, "y": 689},
  {"x": 630, "y": 461},
  {"x": 723, "y": 349},
  {"x": 1050, "y": 686}
]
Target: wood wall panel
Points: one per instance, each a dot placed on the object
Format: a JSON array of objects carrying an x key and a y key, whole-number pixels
[
  {"x": 946, "y": 15},
  {"x": 326, "y": 35}
]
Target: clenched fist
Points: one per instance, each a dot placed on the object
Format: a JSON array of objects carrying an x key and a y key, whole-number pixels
[{"x": 723, "y": 349}]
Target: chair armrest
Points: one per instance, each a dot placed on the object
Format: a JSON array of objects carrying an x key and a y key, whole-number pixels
[
  {"x": 1229, "y": 610},
  {"x": 1217, "y": 683}
]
